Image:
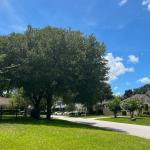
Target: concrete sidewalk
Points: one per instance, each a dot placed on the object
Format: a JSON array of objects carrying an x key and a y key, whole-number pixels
[{"x": 136, "y": 130}]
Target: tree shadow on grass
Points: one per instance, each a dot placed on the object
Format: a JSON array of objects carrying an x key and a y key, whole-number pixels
[
  {"x": 103, "y": 128},
  {"x": 126, "y": 118},
  {"x": 53, "y": 122}
]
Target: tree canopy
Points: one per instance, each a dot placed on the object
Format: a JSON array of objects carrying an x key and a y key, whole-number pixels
[
  {"x": 131, "y": 105},
  {"x": 114, "y": 105},
  {"x": 52, "y": 62},
  {"x": 141, "y": 90}
]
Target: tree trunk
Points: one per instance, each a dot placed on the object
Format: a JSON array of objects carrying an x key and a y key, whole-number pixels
[
  {"x": 16, "y": 109},
  {"x": 25, "y": 111},
  {"x": 131, "y": 114},
  {"x": 36, "y": 111},
  {"x": 115, "y": 115},
  {"x": 90, "y": 109},
  {"x": 139, "y": 111},
  {"x": 49, "y": 106}
]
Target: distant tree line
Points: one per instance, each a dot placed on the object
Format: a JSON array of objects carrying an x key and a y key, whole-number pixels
[
  {"x": 141, "y": 90},
  {"x": 50, "y": 62}
]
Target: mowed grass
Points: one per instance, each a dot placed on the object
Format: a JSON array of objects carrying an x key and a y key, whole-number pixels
[
  {"x": 27, "y": 134},
  {"x": 138, "y": 121}
]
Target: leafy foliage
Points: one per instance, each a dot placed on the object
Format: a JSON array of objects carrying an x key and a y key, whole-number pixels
[
  {"x": 51, "y": 62},
  {"x": 141, "y": 90},
  {"x": 131, "y": 105},
  {"x": 114, "y": 106},
  {"x": 127, "y": 94},
  {"x": 18, "y": 99}
]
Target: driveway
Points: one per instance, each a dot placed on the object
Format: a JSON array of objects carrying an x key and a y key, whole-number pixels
[{"x": 136, "y": 130}]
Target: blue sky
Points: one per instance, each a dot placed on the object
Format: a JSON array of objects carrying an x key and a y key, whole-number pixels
[{"x": 123, "y": 25}]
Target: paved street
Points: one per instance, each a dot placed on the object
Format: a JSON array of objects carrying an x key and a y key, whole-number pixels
[{"x": 137, "y": 130}]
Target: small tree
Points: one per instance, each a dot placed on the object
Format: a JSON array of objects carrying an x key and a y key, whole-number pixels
[
  {"x": 114, "y": 106},
  {"x": 19, "y": 100},
  {"x": 130, "y": 105}
]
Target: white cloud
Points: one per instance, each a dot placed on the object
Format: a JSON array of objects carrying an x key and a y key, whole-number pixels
[
  {"x": 117, "y": 94},
  {"x": 145, "y": 80},
  {"x": 122, "y": 2},
  {"x": 133, "y": 59},
  {"x": 116, "y": 66},
  {"x": 146, "y": 3},
  {"x": 116, "y": 88}
]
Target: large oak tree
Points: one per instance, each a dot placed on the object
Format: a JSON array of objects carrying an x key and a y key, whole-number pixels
[{"x": 51, "y": 62}]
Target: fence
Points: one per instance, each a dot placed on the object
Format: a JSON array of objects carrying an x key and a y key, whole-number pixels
[{"x": 7, "y": 111}]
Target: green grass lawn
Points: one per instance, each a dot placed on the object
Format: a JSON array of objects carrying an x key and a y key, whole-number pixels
[
  {"x": 29, "y": 134},
  {"x": 139, "y": 120}
]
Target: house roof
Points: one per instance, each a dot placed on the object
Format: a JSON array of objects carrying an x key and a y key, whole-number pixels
[
  {"x": 4, "y": 101},
  {"x": 145, "y": 98}
]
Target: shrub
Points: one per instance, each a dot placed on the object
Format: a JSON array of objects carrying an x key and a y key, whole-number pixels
[
  {"x": 131, "y": 105},
  {"x": 114, "y": 106}
]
